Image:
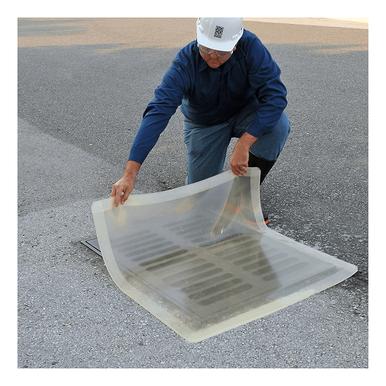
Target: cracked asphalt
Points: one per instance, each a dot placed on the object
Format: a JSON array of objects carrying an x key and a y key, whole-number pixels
[{"x": 83, "y": 85}]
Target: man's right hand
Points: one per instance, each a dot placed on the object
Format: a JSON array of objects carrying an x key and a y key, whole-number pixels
[{"x": 124, "y": 186}]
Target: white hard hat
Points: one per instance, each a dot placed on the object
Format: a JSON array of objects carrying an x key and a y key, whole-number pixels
[{"x": 219, "y": 33}]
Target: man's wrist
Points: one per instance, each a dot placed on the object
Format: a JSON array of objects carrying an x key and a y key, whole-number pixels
[
  {"x": 132, "y": 168},
  {"x": 247, "y": 140}
]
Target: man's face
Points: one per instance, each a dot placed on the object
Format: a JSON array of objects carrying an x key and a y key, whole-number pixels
[{"x": 214, "y": 58}]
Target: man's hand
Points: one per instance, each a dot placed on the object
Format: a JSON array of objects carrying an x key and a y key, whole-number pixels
[
  {"x": 240, "y": 155},
  {"x": 123, "y": 187}
]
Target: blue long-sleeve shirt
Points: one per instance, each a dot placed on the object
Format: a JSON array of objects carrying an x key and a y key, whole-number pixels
[{"x": 210, "y": 96}]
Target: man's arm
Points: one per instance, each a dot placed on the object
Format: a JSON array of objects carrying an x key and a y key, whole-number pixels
[
  {"x": 167, "y": 97},
  {"x": 264, "y": 77}
]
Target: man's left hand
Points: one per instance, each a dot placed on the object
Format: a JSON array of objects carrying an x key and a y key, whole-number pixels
[{"x": 240, "y": 156}]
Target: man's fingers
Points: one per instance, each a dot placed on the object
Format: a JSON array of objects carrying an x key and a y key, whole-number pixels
[
  {"x": 125, "y": 196},
  {"x": 117, "y": 199},
  {"x": 121, "y": 190},
  {"x": 239, "y": 170},
  {"x": 243, "y": 170},
  {"x": 121, "y": 194},
  {"x": 235, "y": 170},
  {"x": 117, "y": 194}
]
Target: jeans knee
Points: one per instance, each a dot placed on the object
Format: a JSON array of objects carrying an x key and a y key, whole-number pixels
[
  {"x": 270, "y": 145},
  {"x": 284, "y": 123}
]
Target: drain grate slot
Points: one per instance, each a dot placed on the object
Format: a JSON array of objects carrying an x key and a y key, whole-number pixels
[{"x": 93, "y": 245}]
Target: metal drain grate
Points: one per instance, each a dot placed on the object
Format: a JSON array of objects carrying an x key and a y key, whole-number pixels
[{"x": 93, "y": 245}]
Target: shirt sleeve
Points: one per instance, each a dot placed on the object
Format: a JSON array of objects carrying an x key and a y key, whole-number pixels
[
  {"x": 167, "y": 97},
  {"x": 264, "y": 77}
]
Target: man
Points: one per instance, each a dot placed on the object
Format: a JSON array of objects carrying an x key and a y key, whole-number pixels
[{"x": 228, "y": 86}]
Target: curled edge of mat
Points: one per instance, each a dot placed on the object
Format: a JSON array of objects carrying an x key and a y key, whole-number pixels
[
  {"x": 172, "y": 194},
  {"x": 99, "y": 207}
]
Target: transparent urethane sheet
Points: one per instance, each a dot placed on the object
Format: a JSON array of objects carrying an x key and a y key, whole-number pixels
[{"x": 201, "y": 259}]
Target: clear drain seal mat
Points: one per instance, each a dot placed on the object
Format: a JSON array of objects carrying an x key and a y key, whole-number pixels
[{"x": 201, "y": 259}]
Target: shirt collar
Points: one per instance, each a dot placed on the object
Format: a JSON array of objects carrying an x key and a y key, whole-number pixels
[{"x": 202, "y": 64}]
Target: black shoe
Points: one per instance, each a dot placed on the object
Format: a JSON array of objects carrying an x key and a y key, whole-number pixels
[{"x": 264, "y": 165}]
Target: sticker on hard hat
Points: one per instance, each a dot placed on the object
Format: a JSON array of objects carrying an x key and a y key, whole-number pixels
[{"x": 218, "y": 31}]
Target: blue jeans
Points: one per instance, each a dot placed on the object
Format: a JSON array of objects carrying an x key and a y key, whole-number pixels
[{"x": 207, "y": 145}]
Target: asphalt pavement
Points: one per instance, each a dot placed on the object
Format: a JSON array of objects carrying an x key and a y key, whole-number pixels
[{"x": 83, "y": 85}]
